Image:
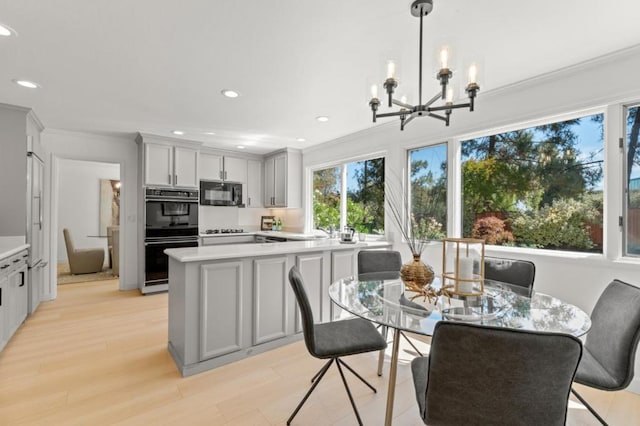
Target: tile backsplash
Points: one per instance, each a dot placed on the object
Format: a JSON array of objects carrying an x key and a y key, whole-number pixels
[{"x": 211, "y": 217}]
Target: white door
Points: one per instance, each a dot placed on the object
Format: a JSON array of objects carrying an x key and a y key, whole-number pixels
[
  {"x": 186, "y": 167},
  {"x": 235, "y": 169},
  {"x": 210, "y": 166},
  {"x": 158, "y": 165}
]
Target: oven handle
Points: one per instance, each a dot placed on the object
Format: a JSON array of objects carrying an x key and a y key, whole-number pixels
[
  {"x": 172, "y": 200},
  {"x": 164, "y": 243}
]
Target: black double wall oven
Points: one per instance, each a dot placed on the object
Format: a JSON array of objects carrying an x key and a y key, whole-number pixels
[{"x": 171, "y": 221}]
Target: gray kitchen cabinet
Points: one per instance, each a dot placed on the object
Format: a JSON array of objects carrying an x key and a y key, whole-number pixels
[
  {"x": 168, "y": 162},
  {"x": 316, "y": 282},
  {"x": 221, "y": 316},
  {"x": 220, "y": 167},
  {"x": 14, "y": 293},
  {"x": 254, "y": 184},
  {"x": 343, "y": 265},
  {"x": 4, "y": 305},
  {"x": 270, "y": 299},
  {"x": 282, "y": 179}
]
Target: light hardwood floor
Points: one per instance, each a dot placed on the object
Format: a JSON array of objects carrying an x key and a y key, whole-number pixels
[{"x": 98, "y": 356}]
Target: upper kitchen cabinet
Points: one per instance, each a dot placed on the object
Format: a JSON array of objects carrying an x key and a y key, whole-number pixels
[
  {"x": 254, "y": 184},
  {"x": 215, "y": 166},
  {"x": 283, "y": 178},
  {"x": 169, "y": 162}
]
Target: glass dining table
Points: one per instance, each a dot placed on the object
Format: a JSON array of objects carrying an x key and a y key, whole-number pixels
[{"x": 388, "y": 303}]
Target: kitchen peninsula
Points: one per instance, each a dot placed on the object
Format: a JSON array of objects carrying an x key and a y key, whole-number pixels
[{"x": 232, "y": 301}]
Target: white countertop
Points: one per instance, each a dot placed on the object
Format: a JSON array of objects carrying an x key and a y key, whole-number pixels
[
  {"x": 12, "y": 245},
  {"x": 233, "y": 251},
  {"x": 279, "y": 234}
]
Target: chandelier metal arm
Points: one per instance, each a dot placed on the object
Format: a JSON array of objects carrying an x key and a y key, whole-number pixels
[
  {"x": 439, "y": 117},
  {"x": 402, "y": 104},
  {"x": 432, "y": 100},
  {"x": 393, "y": 114},
  {"x": 449, "y": 107}
]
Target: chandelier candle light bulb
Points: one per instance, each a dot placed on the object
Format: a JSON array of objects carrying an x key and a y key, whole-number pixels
[
  {"x": 444, "y": 58},
  {"x": 391, "y": 69},
  {"x": 374, "y": 91},
  {"x": 473, "y": 74}
]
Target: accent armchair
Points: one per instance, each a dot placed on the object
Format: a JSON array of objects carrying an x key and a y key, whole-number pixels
[{"x": 83, "y": 261}]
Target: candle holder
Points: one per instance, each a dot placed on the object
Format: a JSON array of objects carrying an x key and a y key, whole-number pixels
[{"x": 462, "y": 266}]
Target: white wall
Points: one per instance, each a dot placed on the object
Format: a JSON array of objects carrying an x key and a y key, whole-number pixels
[
  {"x": 79, "y": 202},
  {"x": 122, "y": 150},
  {"x": 602, "y": 85}
]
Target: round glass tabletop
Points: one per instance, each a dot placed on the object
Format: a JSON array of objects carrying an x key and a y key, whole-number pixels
[{"x": 387, "y": 302}]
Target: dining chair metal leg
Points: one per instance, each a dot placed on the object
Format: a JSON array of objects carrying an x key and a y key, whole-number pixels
[
  {"x": 346, "y": 386},
  {"x": 357, "y": 375},
  {"x": 322, "y": 372},
  {"x": 411, "y": 343},
  {"x": 589, "y": 407}
]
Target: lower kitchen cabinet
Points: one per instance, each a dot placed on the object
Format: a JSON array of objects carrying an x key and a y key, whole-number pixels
[
  {"x": 312, "y": 269},
  {"x": 14, "y": 302},
  {"x": 343, "y": 265},
  {"x": 270, "y": 299},
  {"x": 221, "y": 316}
]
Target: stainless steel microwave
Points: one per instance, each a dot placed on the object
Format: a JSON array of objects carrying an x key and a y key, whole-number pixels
[{"x": 217, "y": 193}]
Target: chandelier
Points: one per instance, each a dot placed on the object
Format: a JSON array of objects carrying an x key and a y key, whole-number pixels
[{"x": 421, "y": 8}]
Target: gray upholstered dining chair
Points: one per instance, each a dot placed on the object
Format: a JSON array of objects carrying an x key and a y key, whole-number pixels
[
  {"x": 518, "y": 273},
  {"x": 610, "y": 348},
  {"x": 333, "y": 340},
  {"x": 381, "y": 265},
  {"x": 82, "y": 261},
  {"x": 481, "y": 375}
]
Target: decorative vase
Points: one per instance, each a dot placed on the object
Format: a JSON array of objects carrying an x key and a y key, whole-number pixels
[{"x": 416, "y": 275}]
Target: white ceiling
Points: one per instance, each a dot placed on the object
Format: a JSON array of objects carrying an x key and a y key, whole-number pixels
[{"x": 123, "y": 66}]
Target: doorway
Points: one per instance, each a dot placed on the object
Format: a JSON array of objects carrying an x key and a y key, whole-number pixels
[{"x": 87, "y": 221}]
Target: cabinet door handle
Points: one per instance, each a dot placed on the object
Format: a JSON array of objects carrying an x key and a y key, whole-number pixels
[
  {"x": 248, "y": 201},
  {"x": 169, "y": 178},
  {"x": 16, "y": 260},
  {"x": 0, "y": 296},
  {"x": 225, "y": 175},
  {"x": 22, "y": 284},
  {"x": 4, "y": 266},
  {"x": 175, "y": 179}
]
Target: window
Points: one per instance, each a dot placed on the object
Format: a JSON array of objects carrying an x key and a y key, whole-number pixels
[
  {"x": 539, "y": 187},
  {"x": 351, "y": 194},
  {"x": 632, "y": 182},
  {"x": 428, "y": 189}
]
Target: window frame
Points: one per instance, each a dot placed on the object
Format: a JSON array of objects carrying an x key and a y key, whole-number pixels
[
  {"x": 343, "y": 189},
  {"x": 456, "y": 167},
  {"x": 624, "y": 246},
  {"x": 407, "y": 180}
]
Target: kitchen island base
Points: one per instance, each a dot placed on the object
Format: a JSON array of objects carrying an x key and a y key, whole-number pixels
[{"x": 223, "y": 308}]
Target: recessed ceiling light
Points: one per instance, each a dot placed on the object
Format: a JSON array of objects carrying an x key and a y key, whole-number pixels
[
  {"x": 240, "y": 146},
  {"x": 209, "y": 133},
  {"x": 230, "y": 93},
  {"x": 301, "y": 140},
  {"x": 6, "y": 31},
  {"x": 322, "y": 119},
  {"x": 178, "y": 132},
  {"x": 26, "y": 83}
]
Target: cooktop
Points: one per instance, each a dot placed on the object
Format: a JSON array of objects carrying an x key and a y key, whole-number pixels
[{"x": 225, "y": 231}]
